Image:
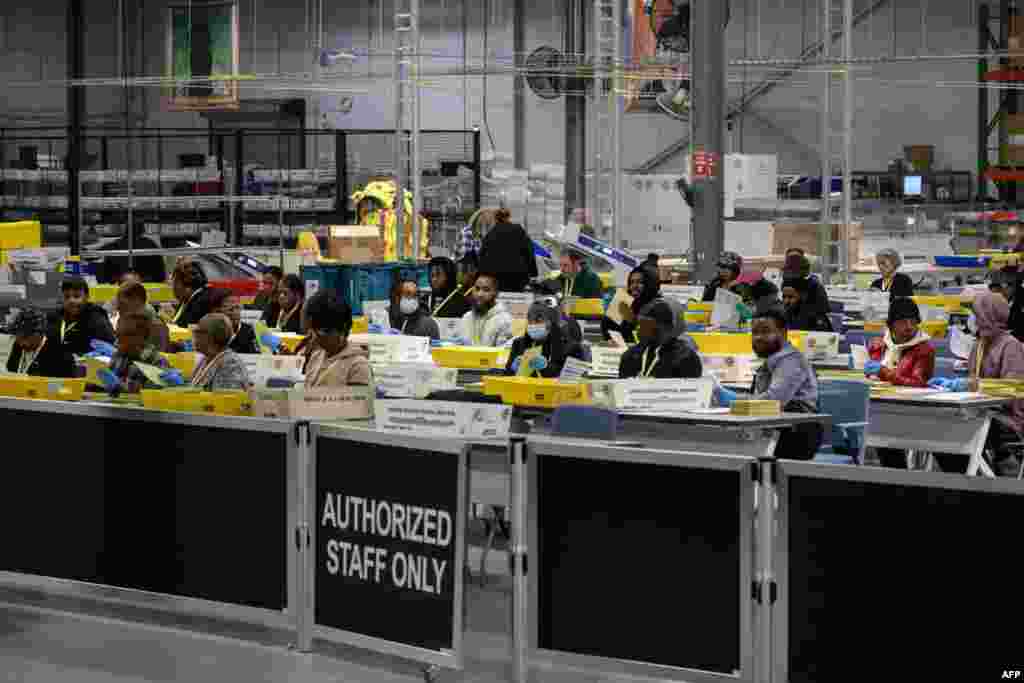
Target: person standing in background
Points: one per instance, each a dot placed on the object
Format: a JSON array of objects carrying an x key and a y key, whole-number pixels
[
  {"x": 507, "y": 252},
  {"x": 266, "y": 299},
  {"x": 897, "y": 284}
]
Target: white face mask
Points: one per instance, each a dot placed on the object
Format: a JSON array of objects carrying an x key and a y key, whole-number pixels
[
  {"x": 409, "y": 306},
  {"x": 537, "y": 332}
]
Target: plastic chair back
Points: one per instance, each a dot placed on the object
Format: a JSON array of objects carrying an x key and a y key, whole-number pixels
[
  {"x": 847, "y": 401},
  {"x": 837, "y": 322},
  {"x": 837, "y": 306},
  {"x": 585, "y": 422}
]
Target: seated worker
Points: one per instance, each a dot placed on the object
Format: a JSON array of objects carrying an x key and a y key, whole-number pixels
[
  {"x": 335, "y": 362},
  {"x": 132, "y": 298},
  {"x": 488, "y": 323},
  {"x": 643, "y": 285},
  {"x": 221, "y": 369},
  {"x": 798, "y": 266},
  {"x": 36, "y": 351},
  {"x": 133, "y": 344},
  {"x": 290, "y": 298},
  {"x": 905, "y": 358},
  {"x": 411, "y": 318},
  {"x": 800, "y": 316},
  {"x": 81, "y": 321},
  {"x": 543, "y": 331},
  {"x": 243, "y": 335},
  {"x": 266, "y": 298},
  {"x": 571, "y": 329},
  {"x": 730, "y": 265},
  {"x": 996, "y": 355},
  {"x": 897, "y": 284},
  {"x": 660, "y": 354},
  {"x": 446, "y": 295},
  {"x": 190, "y": 289},
  {"x": 785, "y": 376},
  {"x": 577, "y": 279}
]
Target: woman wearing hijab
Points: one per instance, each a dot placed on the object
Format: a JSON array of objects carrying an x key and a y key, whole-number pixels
[
  {"x": 37, "y": 351},
  {"x": 799, "y": 314},
  {"x": 447, "y": 299},
  {"x": 996, "y": 355},
  {"x": 730, "y": 264},
  {"x": 815, "y": 298},
  {"x": 543, "y": 331},
  {"x": 643, "y": 285}
]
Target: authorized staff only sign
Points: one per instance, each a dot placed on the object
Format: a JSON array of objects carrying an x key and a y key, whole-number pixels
[{"x": 387, "y": 537}]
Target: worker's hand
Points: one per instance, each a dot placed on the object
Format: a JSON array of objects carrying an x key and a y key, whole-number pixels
[
  {"x": 101, "y": 348},
  {"x": 725, "y": 397},
  {"x": 109, "y": 380},
  {"x": 516, "y": 362},
  {"x": 187, "y": 346},
  {"x": 172, "y": 378},
  {"x": 872, "y": 368},
  {"x": 538, "y": 363},
  {"x": 272, "y": 341},
  {"x": 625, "y": 311}
]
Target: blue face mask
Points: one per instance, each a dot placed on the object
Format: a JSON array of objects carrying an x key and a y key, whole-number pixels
[{"x": 537, "y": 332}]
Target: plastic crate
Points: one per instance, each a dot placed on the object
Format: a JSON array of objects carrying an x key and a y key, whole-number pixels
[
  {"x": 736, "y": 344},
  {"x": 236, "y": 403},
  {"x": 536, "y": 392},
  {"x": 962, "y": 261},
  {"x": 42, "y": 388},
  {"x": 185, "y": 362},
  {"x": 364, "y": 282},
  {"x": 470, "y": 357},
  {"x": 21, "y": 235},
  {"x": 587, "y": 308}
]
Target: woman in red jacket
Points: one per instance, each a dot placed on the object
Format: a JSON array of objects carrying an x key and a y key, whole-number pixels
[{"x": 904, "y": 358}]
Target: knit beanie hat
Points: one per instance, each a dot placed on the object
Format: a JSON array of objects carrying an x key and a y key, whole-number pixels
[{"x": 903, "y": 308}]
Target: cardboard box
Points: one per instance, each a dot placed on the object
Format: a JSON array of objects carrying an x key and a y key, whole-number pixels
[
  {"x": 343, "y": 403},
  {"x": 811, "y": 237},
  {"x": 921, "y": 157},
  {"x": 355, "y": 244},
  {"x": 1015, "y": 155}
]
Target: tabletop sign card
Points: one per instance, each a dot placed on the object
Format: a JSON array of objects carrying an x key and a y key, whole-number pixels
[
  {"x": 605, "y": 361},
  {"x": 413, "y": 380},
  {"x": 656, "y": 395},
  {"x": 450, "y": 328},
  {"x": 518, "y": 304},
  {"x": 821, "y": 345},
  {"x": 443, "y": 418},
  {"x": 731, "y": 369},
  {"x": 376, "y": 313},
  {"x": 393, "y": 348},
  {"x": 574, "y": 370},
  {"x": 684, "y": 294},
  {"x": 336, "y": 403},
  {"x": 6, "y": 347},
  {"x": 387, "y": 543}
]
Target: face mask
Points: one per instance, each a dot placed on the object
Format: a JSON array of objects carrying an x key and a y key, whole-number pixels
[
  {"x": 537, "y": 332},
  {"x": 409, "y": 306}
]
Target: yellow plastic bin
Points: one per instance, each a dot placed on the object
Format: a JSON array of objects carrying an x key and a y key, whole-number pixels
[
  {"x": 470, "y": 357},
  {"x": 290, "y": 340},
  {"x": 587, "y": 308},
  {"x": 360, "y": 325},
  {"x": 535, "y": 392},
  {"x": 179, "y": 335},
  {"x": 184, "y": 362},
  {"x": 11, "y": 386},
  {"x": 21, "y": 235},
  {"x": 936, "y": 329},
  {"x": 234, "y": 403}
]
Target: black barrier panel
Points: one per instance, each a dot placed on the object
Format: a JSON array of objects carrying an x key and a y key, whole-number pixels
[
  {"x": 891, "y": 582},
  {"x": 386, "y": 521},
  {"x": 639, "y": 562},
  {"x": 170, "y": 508}
]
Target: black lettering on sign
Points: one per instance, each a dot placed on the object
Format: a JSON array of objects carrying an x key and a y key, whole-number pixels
[{"x": 386, "y": 542}]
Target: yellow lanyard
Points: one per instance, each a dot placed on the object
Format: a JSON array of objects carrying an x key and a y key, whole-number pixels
[
  {"x": 646, "y": 371},
  {"x": 979, "y": 349},
  {"x": 65, "y": 328},
  {"x": 443, "y": 303},
  {"x": 26, "y": 360},
  {"x": 282, "y": 323},
  {"x": 570, "y": 284},
  {"x": 181, "y": 308},
  {"x": 886, "y": 284}
]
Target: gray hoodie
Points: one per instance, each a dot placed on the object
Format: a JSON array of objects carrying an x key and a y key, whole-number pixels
[
  {"x": 494, "y": 328},
  {"x": 787, "y": 377}
]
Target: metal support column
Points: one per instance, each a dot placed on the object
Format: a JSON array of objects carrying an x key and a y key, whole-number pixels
[
  {"x": 341, "y": 176},
  {"x": 237, "y": 222},
  {"x": 519, "y": 92},
  {"x": 607, "y": 143},
  {"x": 708, "y": 121},
  {"x": 983, "y": 97},
  {"x": 575, "y": 108},
  {"x": 76, "y": 114},
  {"x": 407, "y": 120},
  {"x": 517, "y": 559},
  {"x": 837, "y": 136}
]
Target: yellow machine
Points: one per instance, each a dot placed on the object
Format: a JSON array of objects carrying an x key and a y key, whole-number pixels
[{"x": 375, "y": 206}]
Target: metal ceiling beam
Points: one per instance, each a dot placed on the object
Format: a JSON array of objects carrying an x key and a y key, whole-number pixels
[{"x": 759, "y": 91}]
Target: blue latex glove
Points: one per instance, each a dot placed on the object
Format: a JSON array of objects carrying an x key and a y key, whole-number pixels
[
  {"x": 109, "y": 380},
  {"x": 959, "y": 384},
  {"x": 872, "y": 367},
  {"x": 539, "y": 363},
  {"x": 375, "y": 329},
  {"x": 516, "y": 362},
  {"x": 172, "y": 378},
  {"x": 938, "y": 383},
  {"x": 187, "y": 346},
  {"x": 101, "y": 348},
  {"x": 726, "y": 397},
  {"x": 436, "y": 343},
  {"x": 462, "y": 341},
  {"x": 272, "y": 341}
]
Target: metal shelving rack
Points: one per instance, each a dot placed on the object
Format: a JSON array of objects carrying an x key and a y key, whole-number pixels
[{"x": 994, "y": 25}]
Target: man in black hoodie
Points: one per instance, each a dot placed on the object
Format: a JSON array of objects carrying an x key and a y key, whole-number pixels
[
  {"x": 507, "y": 251},
  {"x": 660, "y": 354},
  {"x": 80, "y": 320},
  {"x": 644, "y": 286},
  {"x": 408, "y": 314},
  {"x": 446, "y": 295}
]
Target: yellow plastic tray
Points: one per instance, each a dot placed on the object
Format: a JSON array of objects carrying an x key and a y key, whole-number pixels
[
  {"x": 950, "y": 303},
  {"x": 736, "y": 344},
  {"x": 700, "y": 306},
  {"x": 21, "y": 235},
  {"x": 535, "y": 392},
  {"x": 587, "y": 308},
  {"x": 470, "y": 357},
  {"x": 156, "y": 292},
  {"x": 698, "y": 317},
  {"x": 360, "y": 325},
  {"x": 42, "y": 388},
  {"x": 185, "y": 362},
  {"x": 235, "y": 403},
  {"x": 290, "y": 340},
  {"x": 179, "y": 334}
]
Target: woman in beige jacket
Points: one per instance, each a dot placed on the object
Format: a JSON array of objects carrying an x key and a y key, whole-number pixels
[{"x": 335, "y": 363}]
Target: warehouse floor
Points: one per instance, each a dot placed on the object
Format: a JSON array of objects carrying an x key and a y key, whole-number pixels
[{"x": 48, "y": 640}]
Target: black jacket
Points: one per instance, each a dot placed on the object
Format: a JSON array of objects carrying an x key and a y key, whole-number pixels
[
  {"x": 419, "y": 324},
  {"x": 816, "y": 298},
  {"x": 555, "y": 349},
  {"x": 93, "y": 323},
  {"x": 675, "y": 360},
  {"x": 270, "y": 313},
  {"x": 801, "y": 317},
  {"x": 652, "y": 291},
  {"x": 507, "y": 252},
  {"x": 441, "y": 306},
  {"x": 195, "y": 310},
  {"x": 711, "y": 290},
  {"x": 52, "y": 361},
  {"x": 245, "y": 340},
  {"x": 901, "y": 285}
]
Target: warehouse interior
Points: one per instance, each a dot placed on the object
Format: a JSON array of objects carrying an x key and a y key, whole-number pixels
[{"x": 229, "y": 130}]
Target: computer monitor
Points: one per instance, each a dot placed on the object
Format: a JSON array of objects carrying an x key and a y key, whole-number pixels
[{"x": 913, "y": 186}]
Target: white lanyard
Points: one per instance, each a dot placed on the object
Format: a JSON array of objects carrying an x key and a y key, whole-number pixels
[
  {"x": 454, "y": 292},
  {"x": 207, "y": 369}
]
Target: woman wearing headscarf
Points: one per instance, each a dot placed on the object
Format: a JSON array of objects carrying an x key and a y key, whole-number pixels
[
  {"x": 543, "y": 331},
  {"x": 447, "y": 299},
  {"x": 815, "y": 298},
  {"x": 799, "y": 314},
  {"x": 37, "y": 351},
  {"x": 643, "y": 285},
  {"x": 996, "y": 355},
  {"x": 730, "y": 265}
]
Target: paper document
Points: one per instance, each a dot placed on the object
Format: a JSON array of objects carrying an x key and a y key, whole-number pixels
[
  {"x": 960, "y": 343},
  {"x": 860, "y": 356},
  {"x": 6, "y": 346},
  {"x": 524, "y": 362},
  {"x": 574, "y": 370},
  {"x": 956, "y": 396},
  {"x": 152, "y": 373},
  {"x": 619, "y": 306},
  {"x": 725, "y": 313}
]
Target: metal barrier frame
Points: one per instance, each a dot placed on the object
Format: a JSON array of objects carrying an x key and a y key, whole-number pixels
[
  {"x": 743, "y": 466},
  {"x": 164, "y": 602},
  {"x": 452, "y": 659},
  {"x": 874, "y": 475}
]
